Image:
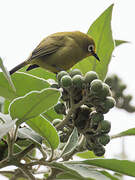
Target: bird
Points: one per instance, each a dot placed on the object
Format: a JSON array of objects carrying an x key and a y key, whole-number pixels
[{"x": 60, "y": 51}]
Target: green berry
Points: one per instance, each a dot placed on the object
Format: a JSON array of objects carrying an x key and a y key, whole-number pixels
[
  {"x": 77, "y": 81},
  {"x": 96, "y": 117},
  {"x": 105, "y": 126},
  {"x": 109, "y": 102},
  {"x": 61, "y": 74},
  {"x": 96, "y": 86},
  {"x": 105, "y": 91},
  {"x": 90, "y": 76},
  {"x": 75, "y": 72},
  {"x": 104, "y": 139},
  {"x": 66, "y": 81},
  {"x": 99, "y": 150},
  {"x": 56, "y": 121},
  {"x": 60, "y": 108}
]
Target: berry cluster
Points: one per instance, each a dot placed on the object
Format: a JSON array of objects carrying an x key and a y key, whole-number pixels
[
  {"x": 89, "y": 99},
  {"x": 123, "y": 101}
]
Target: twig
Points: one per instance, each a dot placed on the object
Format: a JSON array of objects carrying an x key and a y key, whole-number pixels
[
  {"x": 26, "y": 172},
  {"x": 51, "y": 156},
  {"x": 70, "y": 112},
  {"x": 23, "y": 153}
]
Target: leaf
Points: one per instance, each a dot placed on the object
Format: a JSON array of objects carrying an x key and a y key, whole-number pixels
[
  {"x": 121, "y": 166},
  {"x": 6, "y": 124},
  {"x": 40, "y": 72},
  {"x": 86, "y": 155},
  {"x": 112, "y": 177},
  {"x": 23, "y": 83},
  {"x": 80, "y": 170},
  {"x": 128, "y": 132},
  {"x": 119, "y": 42},
  {"x": 45, "y": 129},
  {"x": 50, "y": 115},
  {"x": 71, "y": 143},
  {"x": 33, "y": 104},
  {"x": 101, "y": 32},
  {"x": 7, "y": 75},
  {"x": 26, "y": 133},
  {"x": 68, "y": 176}
]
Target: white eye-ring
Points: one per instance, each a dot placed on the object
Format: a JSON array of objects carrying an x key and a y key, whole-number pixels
[{"x": 91, "y": 48}]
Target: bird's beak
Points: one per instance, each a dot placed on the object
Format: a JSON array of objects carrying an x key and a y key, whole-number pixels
[{"x": 95, "y": 55}]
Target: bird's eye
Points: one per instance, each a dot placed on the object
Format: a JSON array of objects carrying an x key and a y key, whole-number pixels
[{"x": 90, "y": 48}]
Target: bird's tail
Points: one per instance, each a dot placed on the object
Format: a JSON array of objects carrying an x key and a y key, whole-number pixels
[{"x": 16, "y": 68}]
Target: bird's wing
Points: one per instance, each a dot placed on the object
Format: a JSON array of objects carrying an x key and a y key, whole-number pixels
[{"x": 48, "y": 46}]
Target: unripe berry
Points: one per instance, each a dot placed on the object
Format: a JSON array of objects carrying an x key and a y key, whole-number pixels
[
  {"x": 77, "y": 81},
  {"x": 75, "y": 72},
  {"x": 61, "y": 74},
  {"x": 96, "y": 117},
  {"x": 105, "y": 126},
  {"x": 104, "y": 139},
  {"x": 99, "y": 150},
  {"x": 66, "y": 81},
  {"x": 109, "y": 102},
  {"x": 60, "y": 108},
  {"x": 105, "y": 91},
  {"x": 96, "y": 86},
  {"x": 90, "y": 76}
]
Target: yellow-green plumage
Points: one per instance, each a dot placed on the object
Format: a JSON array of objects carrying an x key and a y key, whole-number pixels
[{"x": 59, "y": 51}]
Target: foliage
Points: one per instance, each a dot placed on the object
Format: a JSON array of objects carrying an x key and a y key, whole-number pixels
[{"x": 64, "y": 118}]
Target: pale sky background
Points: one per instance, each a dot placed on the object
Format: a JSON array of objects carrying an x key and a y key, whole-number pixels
[{"x": 24, "y": 23}]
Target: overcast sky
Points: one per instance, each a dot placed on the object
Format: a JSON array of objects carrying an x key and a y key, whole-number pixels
[{"x": 24, "y": 23}]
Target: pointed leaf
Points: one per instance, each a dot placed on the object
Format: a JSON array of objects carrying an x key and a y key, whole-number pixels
[
  {"x": 45, "y": 129},
  {"x": 112, "y": 177},
  {"x": 71, "y": 143},
  {"x": 33, "y": 104},
  {"x": 119, "y": 42},
  {"x": 26, "y": 133},
  {"x": 81, "y": 171},
  {"x": 121, "y": 166},
  {"x": 24, "y": 83},
  {"x": 129, "y": 132},
  {"x": 7, "y": 75},
  {"x": 101, "y": 32}
]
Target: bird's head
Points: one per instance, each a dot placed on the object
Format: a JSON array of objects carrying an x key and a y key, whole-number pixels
[{"x": 90, "y": 47}]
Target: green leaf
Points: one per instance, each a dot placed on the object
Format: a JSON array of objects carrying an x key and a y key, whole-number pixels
[
  {"x": 86, "y": 155},
  {"x": 101, "y": 32},
  {"x": 68, "y": 176},
  {"x": 26, "y": 133},
  {"x": 45, "y": 129},
  {"x": 112, "y": 177},
  {"x": 24, "y": 83},
  {"x": 51, "y": 115},
  {"x": 119, "y": 42},
  {"x": 129, "y": 132},
  {"x": 71, "y": 143},
  {"x": 7, "y": 75},
  {"x": 80, "y": 170},
  {"x": 121, "y": 166},
  {"x": 40, "y": 72},
  {"x": 33, "y": 104}
]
